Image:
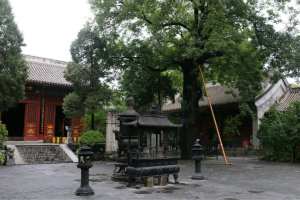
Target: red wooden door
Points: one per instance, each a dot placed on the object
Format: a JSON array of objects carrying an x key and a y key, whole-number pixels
[
  {"x": 50, "y": 112},
  {"x": 32, "y": 117}
]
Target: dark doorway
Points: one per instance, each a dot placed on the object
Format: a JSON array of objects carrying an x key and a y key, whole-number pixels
[
  {"x": 14, "y": 121},
  {"x": 60, "y": 123}
]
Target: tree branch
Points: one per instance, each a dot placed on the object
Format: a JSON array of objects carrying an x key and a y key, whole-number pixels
[
  {"x": 156, "y": 69},
  {"x": 209, "y": 55},
  {"x": 196, "y": 17},
  {"x": 176, "y": 24},
  {"x": 144, "y": 17}
]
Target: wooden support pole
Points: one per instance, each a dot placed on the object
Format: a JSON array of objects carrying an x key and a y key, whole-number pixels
[{"x": 212, "y": 112}]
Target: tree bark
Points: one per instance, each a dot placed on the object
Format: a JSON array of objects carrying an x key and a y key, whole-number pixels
[
  {"x": 93, "y": 121},
  {"x": 192, "y": 92}
]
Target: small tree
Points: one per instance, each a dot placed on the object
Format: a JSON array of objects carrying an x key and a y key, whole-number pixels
[
  {"x": 85, "y": 73},
  {"x": 13, "y": 69},
  {"x": 280, "y": 131},
  {"x": 72, "y": 106}
]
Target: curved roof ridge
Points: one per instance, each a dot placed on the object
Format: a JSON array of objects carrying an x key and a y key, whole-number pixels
[
  {"x": 44, "y": 60},
  {"x": 292, "y": 95},
  {"x": 46, "y": 71}
]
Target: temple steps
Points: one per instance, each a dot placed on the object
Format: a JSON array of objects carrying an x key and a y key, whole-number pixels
[
  {"x": 42, "y": 154},
  {"x": 34, "y": 153}
]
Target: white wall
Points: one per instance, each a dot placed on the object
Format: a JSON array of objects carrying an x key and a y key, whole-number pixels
[{"x": 263, "y": 103}]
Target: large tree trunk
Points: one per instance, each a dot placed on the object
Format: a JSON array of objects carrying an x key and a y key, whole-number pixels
[
  {"x": 93, "y": 121},
  {"x": 192, "y": 92}
]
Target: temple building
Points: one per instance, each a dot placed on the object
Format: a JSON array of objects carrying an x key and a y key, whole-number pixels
[
  {"x": 40, "y": 114},
  {"x": 278, "y": 95}
]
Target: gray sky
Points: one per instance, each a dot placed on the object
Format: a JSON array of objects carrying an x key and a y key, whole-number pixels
[{"x": 49, "y": 26}]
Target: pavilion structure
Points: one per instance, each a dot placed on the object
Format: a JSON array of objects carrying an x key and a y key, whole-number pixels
[{"x": 40, "y": 114}]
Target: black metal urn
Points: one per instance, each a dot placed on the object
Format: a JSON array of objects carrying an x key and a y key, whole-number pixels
[
  {"x": 84, "y": 163},
  {"x": 147, "y": 147},
  {"x": 198, "y": 154}
]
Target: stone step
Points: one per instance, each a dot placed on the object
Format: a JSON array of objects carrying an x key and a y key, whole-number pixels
[{"x": 42, "y": 154}]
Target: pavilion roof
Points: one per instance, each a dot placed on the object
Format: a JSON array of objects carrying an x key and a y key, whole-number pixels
[
  {"x": 217, "y": 94},
  {"x": 152, "y": 120},
  {"x": 292, "y": 95},
  {"x": 46, "y": 71}
]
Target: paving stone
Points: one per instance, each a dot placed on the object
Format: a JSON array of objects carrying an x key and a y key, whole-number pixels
[{"x": 245, "y": 178}]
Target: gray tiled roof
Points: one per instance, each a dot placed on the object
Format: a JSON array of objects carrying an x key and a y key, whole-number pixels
[
  {"x": 216, "y": 93},
  {"x": 218, "y": 96},
  {"x": 46, "y": 71},
  {"x": 292, "y": 95}
]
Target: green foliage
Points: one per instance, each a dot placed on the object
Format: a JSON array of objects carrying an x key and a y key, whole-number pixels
[
  {"x": 2, "y": 157},
  {"x": 118, "y": 100},
  {"x": 3, "y": 134},
  {"x": 72, "y": 106},
  {"x": 100, "y": 121},
  {"x": 277, "y": 156},
  {"x": 294, "y": 85},
  {"x": 280, "y": 131},
  {"x": 175, "y": 117},
  {"x": 86, "y": 73},
  {"x": 147, "y": 86},
  {"x": 13, "y": 68},
  {"x": 232, "y": 123},
  {"x": 177, "y": 79},
  {"x": 234, "y": 42},
  {"x": 3, "y": 138},
  {"x": 91, "y": 138}
]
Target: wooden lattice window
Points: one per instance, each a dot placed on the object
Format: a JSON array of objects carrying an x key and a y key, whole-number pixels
[
  {"x": 50, "y": 118},
  {"x": 32, "y": 113},
  {"x": 75, "y": 122},
  {"x": 32, "y": 97}
]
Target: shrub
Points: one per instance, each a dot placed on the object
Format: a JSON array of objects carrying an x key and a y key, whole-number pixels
[
  {"x": 100, "y": 121},
  {"x": 280, "y": 132},
  {"x": 3, "y": 134},
  {"x": 2, "y": 157},
  {"x": 91, "y": 138},
  {"x": 276, "y": 156}
]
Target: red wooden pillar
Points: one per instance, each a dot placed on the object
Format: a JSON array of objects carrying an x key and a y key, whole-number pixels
[{"x": 32, "y": 117}]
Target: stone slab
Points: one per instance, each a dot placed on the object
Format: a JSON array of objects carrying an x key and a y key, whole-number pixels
[{"x": 246, "y": 178}]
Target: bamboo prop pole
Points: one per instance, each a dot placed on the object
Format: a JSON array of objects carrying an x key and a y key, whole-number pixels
[{"x": 212, "y": 112}]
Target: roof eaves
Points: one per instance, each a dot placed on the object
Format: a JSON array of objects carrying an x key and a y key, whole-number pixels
[{"x": 49, "y": 83}]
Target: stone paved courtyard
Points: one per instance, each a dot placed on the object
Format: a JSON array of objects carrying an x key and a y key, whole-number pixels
[{"x": 245, "y": 178}]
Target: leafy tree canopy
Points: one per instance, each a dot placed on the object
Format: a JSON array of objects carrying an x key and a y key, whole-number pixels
[
  {"x": 234, "y": 42},
  {"x": 13, "y": 69},
  {"x": 280, "y": 131},
  {"x": 147, "y": 86},
  {"x": 72, "y": 106},
  {"x": 86, "y": 73}
]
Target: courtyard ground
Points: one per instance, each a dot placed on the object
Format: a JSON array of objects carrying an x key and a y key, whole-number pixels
[{"x": 244, "y": 178}]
